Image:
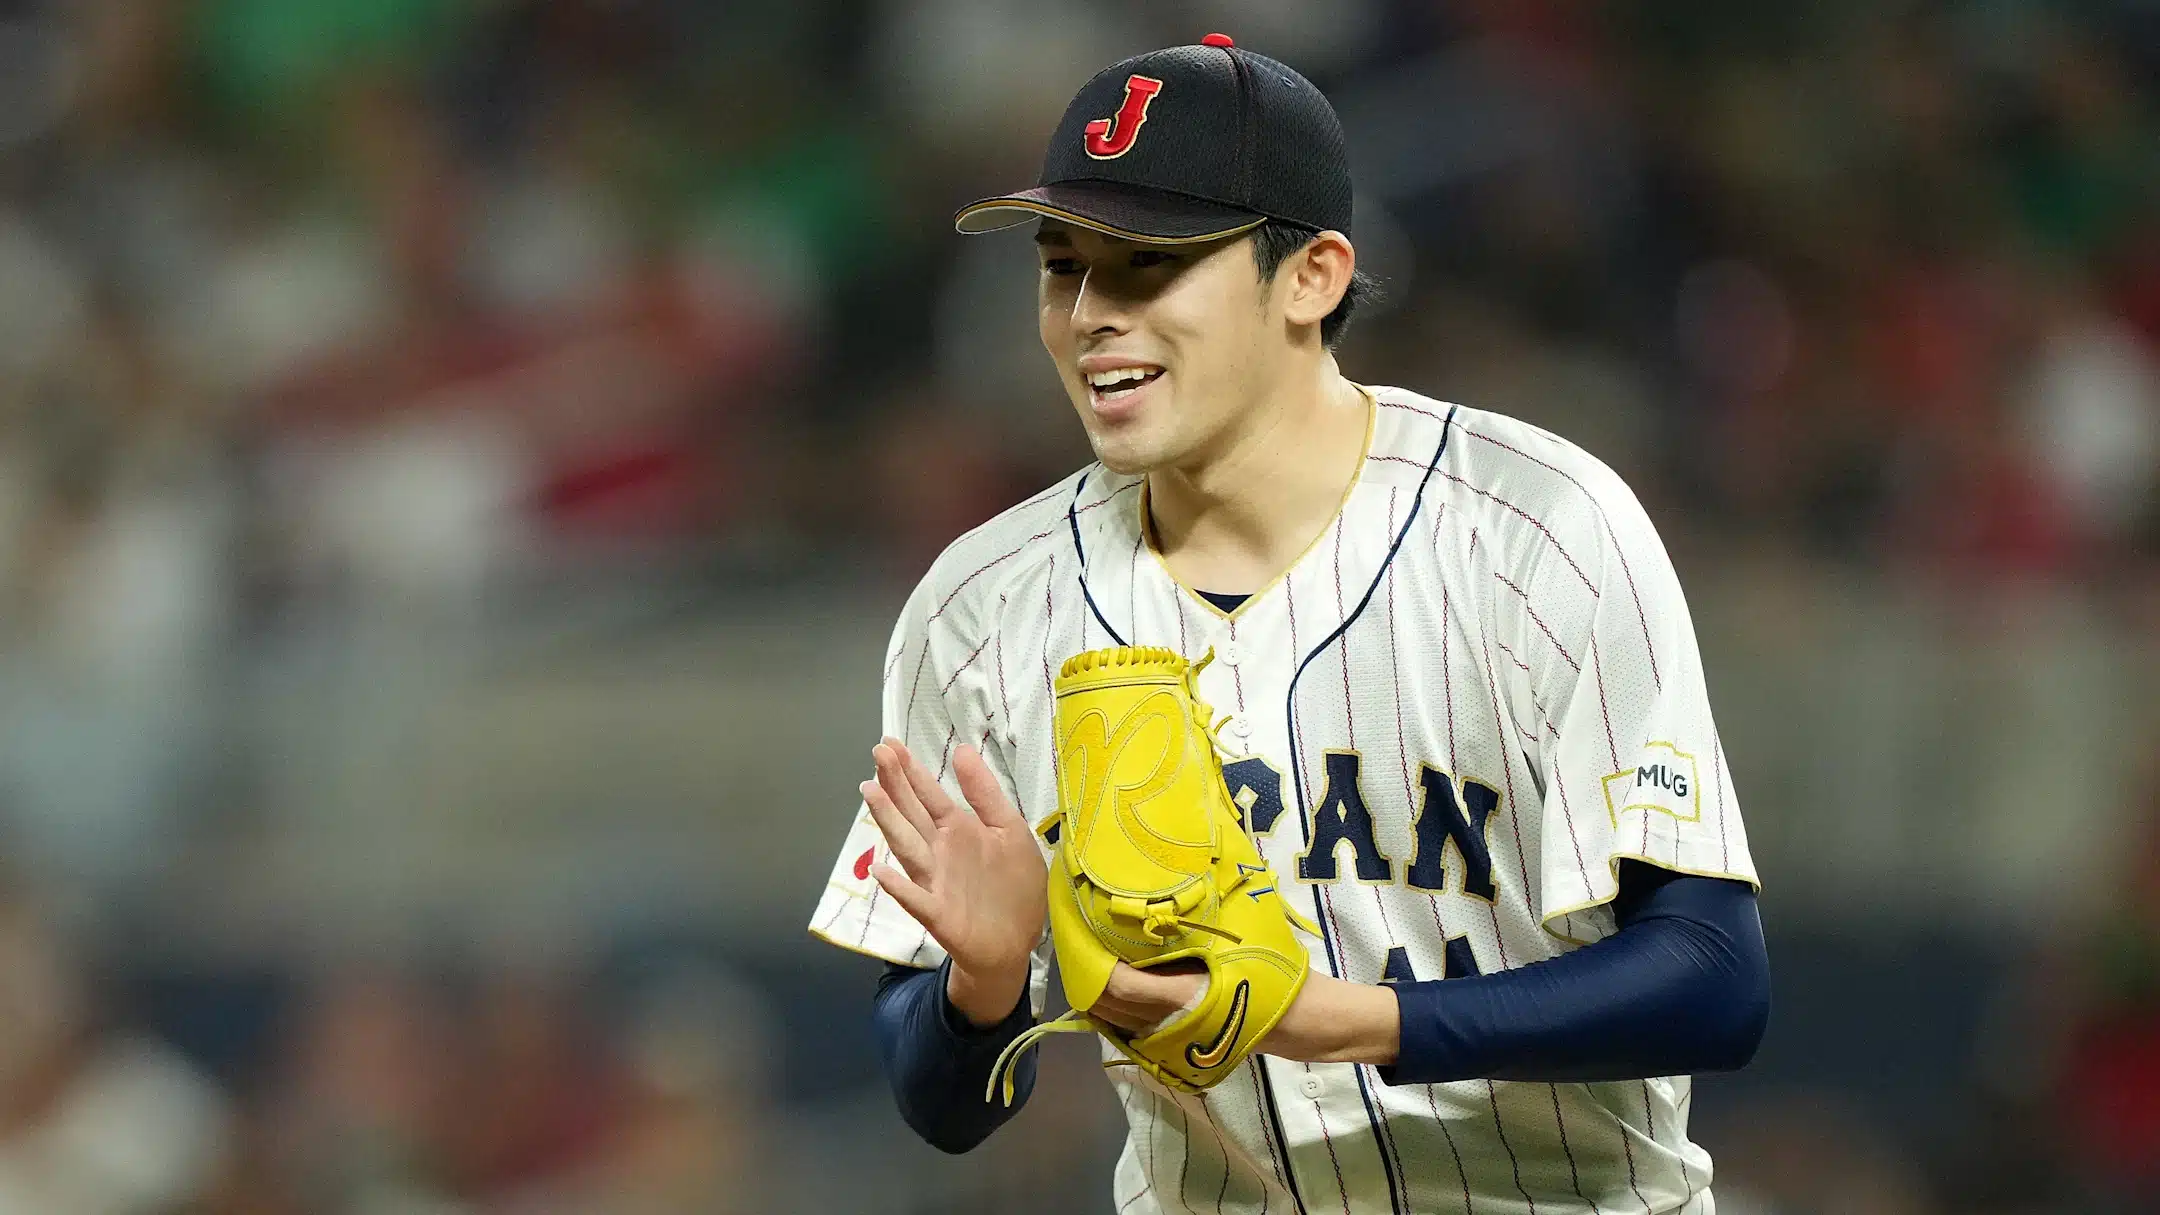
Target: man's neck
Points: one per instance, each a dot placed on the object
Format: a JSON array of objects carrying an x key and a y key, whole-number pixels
[{"x": 1238, "y": 520}]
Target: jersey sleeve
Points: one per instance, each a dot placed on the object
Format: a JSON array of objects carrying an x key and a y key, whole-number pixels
[
  {"x": 1628, "y": 758},
  {"x": 936, "y": 697}
]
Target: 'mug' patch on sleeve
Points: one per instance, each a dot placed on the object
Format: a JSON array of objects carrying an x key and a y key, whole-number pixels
[{"x": 1665, "y": 780}]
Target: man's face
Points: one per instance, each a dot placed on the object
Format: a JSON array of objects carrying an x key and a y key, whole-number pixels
[{"x": 1159, "y": 346}]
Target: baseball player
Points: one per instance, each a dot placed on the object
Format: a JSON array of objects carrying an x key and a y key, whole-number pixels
[{"x": 1467, "y": 724}]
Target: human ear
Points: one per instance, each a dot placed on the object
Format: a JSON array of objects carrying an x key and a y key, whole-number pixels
[{"x": 1316, "y": 277}]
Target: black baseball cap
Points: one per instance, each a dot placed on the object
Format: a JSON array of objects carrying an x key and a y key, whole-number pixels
[{"x": 1187, "y": 144}]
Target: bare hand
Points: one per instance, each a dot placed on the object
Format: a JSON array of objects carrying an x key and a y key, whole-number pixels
[
  {"x": 976, "y": 882},
  {"x": 1331, "y": 1021},
  {"x": 1136, "y": 1000}
]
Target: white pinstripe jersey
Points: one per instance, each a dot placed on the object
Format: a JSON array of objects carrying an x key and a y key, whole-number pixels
[{"x": 1474, "y": 695}]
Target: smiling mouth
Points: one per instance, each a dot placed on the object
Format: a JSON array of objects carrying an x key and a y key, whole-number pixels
[{"x": 1110, "y": 385}]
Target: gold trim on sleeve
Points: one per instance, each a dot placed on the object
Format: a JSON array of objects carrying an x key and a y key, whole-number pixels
[{"x": 1612, "y": 863}]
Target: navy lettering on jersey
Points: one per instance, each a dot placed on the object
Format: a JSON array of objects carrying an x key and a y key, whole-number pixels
[
  {"x": 1342, "y": 818},
  {"x": 1445, "y": 818},
  {"x": 1257, "y": 790},
  {"x": 1456, "y": 962},
  {"x": 1461, "y": 961}
]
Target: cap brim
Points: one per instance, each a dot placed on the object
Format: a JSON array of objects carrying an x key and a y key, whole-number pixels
[{"x": 1131, "y": 212}]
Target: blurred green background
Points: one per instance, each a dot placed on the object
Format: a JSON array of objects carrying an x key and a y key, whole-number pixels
[{"x": 460, "y": 460}]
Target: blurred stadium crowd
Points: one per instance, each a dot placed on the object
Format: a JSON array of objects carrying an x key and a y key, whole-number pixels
[{"x": 357, "y": 352}]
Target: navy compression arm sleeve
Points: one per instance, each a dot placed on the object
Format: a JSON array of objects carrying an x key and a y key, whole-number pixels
[
  {"x": 939, "y": 1063},
  {"x": 1682, "y": 987}
]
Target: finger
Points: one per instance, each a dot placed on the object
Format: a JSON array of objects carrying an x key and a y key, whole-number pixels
[
  {"x": 913, "y": 899},
  {"x": 901, "y": 838},
  {"x": 890, "y": 756},
  {"x": 1154, "y": 997},
  {"x": 1134, "y": 986},
  {"x": 893, "y": 760},
  {"x": 1119, "y": 984},
  {"x": 1119, "y": 1015},
  {"x": 1117, "y": 1006},
  {"x": 1134, "y": 1017},
  {"x": 928, "y": 791},
  {"x": 979, "y": 785}
]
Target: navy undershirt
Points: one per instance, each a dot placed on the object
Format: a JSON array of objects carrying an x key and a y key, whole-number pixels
[
  {"x": 1682, "y": 987},
  {"x": 939, "y": 1063}
]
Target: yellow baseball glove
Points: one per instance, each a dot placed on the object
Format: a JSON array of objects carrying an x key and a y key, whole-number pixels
[{"x": 1153, "y": 865}]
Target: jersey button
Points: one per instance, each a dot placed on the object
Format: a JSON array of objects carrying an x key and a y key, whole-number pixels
[
  {"x": 1239, "y": 744},
  {"x": 1227, "y": 652},
  {"x": 1311, "y": 1087}
]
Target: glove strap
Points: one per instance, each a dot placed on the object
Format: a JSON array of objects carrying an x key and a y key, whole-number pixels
[
  {"x": 1008, "y": 1060},
  {"x": 1295, "y": 918}
]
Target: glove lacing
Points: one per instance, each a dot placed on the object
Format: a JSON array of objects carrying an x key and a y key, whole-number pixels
[
  {"x": 1159, "y": 919},
  {"x": 1202, "y": 711}
]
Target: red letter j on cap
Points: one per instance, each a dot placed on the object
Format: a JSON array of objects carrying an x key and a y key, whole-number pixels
[{"x": 1110, "y": 138}]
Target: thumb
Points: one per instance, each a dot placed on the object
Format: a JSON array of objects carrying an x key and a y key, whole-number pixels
[{"x": 979, "y": 785}]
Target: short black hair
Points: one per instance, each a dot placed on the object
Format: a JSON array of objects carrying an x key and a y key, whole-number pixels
[{"x": 1274, "y": 241}]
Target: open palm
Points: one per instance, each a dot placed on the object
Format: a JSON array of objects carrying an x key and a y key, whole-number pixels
[{"x": 974, "y": 881}]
